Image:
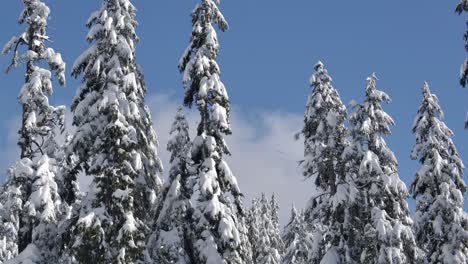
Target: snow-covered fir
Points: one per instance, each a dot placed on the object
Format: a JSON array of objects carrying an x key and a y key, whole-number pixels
[
  {"x": 462, "y": 7},
  {"x": 324, "y": 141},
  {"x": 114, "y": 144},
  {"x": 264, "y": 233},
  {"x": 167, "y": 244},
  {"x": 218, "y": 230},
  {"x": 386, "y": 235},
  {"x": 30, "y": 205},
  {"x": 275, "y": 234},
  {"x": 440, "y": 223},
  {"x": 253, "y": 225},
  {"x": 297, "y": 239}
]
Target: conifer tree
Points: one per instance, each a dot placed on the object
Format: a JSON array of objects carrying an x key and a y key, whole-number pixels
[
  {"x": 31, "y": 206},
  {"x": 275, "y": 235},
  {"x": 264, "y": 236},
  {"x": 296, "y": 239},
  {"x": 463, "y": 7},
  {"x": 219, "y": 232},
  {"x": 441, "y": 225},
  {"x": 168, "y": 241},
  {"x": 324, "y": 141},
  {"x": 384, "y": 213},
  {"x": 114, "y": 144},
  {"x": 253, "y": 225},
  {"x": 267, "y": 253}
]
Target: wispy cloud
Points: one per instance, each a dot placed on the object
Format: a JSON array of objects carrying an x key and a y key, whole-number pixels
[{"x": 264, "y": 153}]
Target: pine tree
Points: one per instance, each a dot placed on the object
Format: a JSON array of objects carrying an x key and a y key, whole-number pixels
[
  {"x": 168, "y": 245},
  {"x": 114, "y": 144},
  {"x": 441, "y": 225},
  {"x": 264, "y": 236},
  {"x": 275, "y": 235},
  {"x": 267, "y": 252},
  {"x": 463, "y": 7},
  {"x": 296, "y": 239},
  {"x": 31, "y": 206},
  {"x": 388, "y": 235},
  {"x": 253, "y": 221},
  {"x": 219, "y": 233},
  {"x": 324, "y": 141}
]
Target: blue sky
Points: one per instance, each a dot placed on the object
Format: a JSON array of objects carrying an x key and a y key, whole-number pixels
[{"x": 266, "y": 59}]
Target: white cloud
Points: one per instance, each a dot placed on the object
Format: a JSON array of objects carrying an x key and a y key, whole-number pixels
[{"x": 264, "y": 153}]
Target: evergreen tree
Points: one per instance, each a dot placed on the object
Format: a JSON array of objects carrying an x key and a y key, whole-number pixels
[
  {"x": 296, "y": 239},
  {"x": 441, "y": 225},
  {"x": 219, "y": 232},
  {"x": 31, "y": 206},
  {"x": 168, "y": 245},
  {"x": 267, "y": 253},
  {"x": 463, "y": 7},
  {"x": 253, "y": 221},
  {"x": 114, "y": 144},
  {"x": 275, "y": 235},
  {"x": 384, "y": 213},
  {"x": 324, "y": 141},
  {"x": 264, "y": 236}
]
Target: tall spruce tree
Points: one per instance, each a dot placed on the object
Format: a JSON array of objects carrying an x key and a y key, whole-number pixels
[
  {"x": 31, "y": 206},
  {"x": 324, "y": 141},
  {"x": 384, "y": 213},
  {"x": 219, "y": 232},
  {"x": 114, "y": 144},
  {"x": 297, "y": 240},
  {"x": 168, "y": 241},
  {"x": 441, "y": 225}
]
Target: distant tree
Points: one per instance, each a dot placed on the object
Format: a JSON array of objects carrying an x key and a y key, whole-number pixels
[
  {"x": 324, "y": 142},
  {"x": 168, "y": 241},
  {"x": 265, "y": 237},
  {"x": 114, "y": 144},
  {"x": 275, "y": 235},
  {"x": 463, "y": 7},
  {"x": 384, "y": 213},
  {"x": 253, "y": 220},
  {"x": 30, "y": 206},
  {"x": 441, "y": 225},
  {"x": 218, "y": 230},
  {"x": 297, "y": 240}
]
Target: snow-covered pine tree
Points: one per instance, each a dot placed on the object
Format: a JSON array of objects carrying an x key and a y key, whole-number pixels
[
  {"x": 440, "y": 223},
  {"x": 31, "y": 205},
  {"x": 266, "y": 251},
  {"x": 114, "y": 143},
  {"x": 219, "y": 232},
  {"x": 349, "y": 200},
  {"x": 463, "y": 7},
  {"x": 253, "y": 224},
  {"x": 275, "y": 235},
  {"x": 168, "y": 241},
  {"x": 324, "y": 141},
  {"x": 384, "y": 213},
  {"x": 296, "y": 238}
]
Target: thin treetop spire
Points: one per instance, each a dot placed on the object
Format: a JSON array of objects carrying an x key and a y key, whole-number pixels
[{"x": 219, "y": 233}]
